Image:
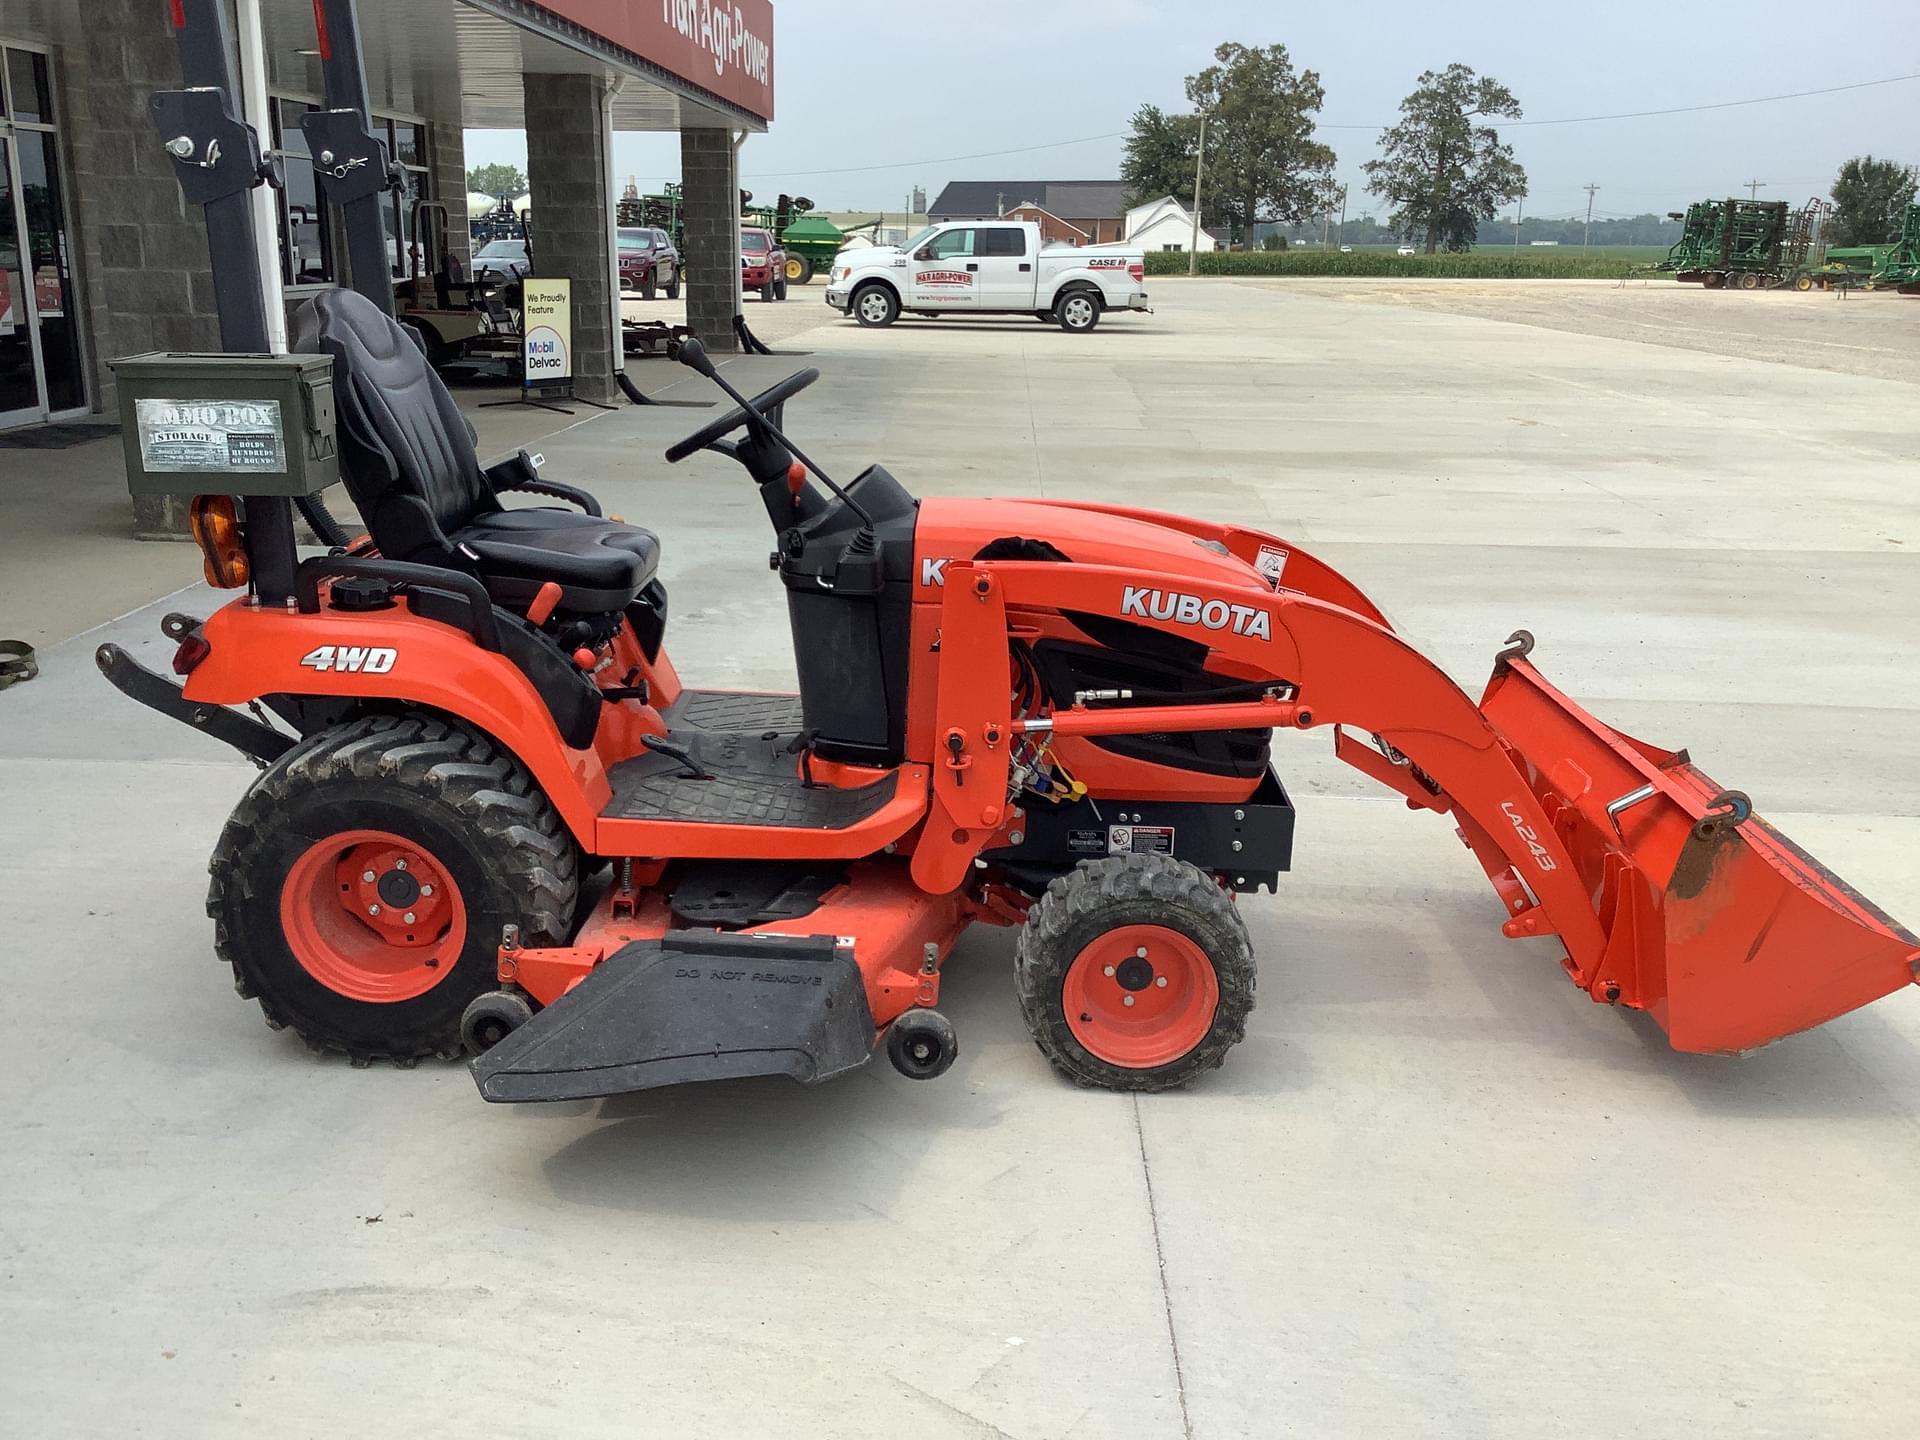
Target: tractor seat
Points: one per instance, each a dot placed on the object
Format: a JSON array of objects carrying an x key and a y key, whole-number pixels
[
  {"x": 600, "y": 564},
  {"x": 406, "y": 454}
]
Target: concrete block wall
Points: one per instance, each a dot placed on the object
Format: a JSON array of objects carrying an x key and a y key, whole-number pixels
[
  {"x": 567, "y": 146},
  {"x": 710, "y": 219},
  {"x": 144, "y": 268},
  {"x": 447, "y": 171}
]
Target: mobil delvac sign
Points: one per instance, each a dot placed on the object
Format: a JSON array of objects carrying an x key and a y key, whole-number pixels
[
  {"x": 723, "y": 46},
  {"x": 548, "y": 334}
]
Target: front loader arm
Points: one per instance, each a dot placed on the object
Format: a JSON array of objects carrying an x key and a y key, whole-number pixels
[
  {"x": 1343, "y": 668},
  {"x": 1668, "y": 894}
]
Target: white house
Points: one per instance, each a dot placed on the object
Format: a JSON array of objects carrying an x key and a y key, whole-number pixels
[{"x": 1164, "y": 224}]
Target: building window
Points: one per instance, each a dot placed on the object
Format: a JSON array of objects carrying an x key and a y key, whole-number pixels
[{"x": 306, "y": 239}]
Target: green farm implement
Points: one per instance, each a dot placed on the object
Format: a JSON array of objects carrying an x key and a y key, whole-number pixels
[{"x": 1899, "y": 268}]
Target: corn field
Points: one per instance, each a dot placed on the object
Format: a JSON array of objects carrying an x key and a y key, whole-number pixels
[{"x": 1481, "y": 265}]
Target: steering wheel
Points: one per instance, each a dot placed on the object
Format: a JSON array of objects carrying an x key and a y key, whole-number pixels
[{"x": 777, "y": 394}]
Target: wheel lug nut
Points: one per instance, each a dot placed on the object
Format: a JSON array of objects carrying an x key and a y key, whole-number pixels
[
  {"x": 1160, "y": 980},
  {"x": 1141, "y": 952},
  {"x": 400, "y": 864},
  {"x": 368, "y": 877},
  {"x": 373, "y": 909},
  {"x": 409, "y": 920},
  {"x": 426, "y": 889},
  {"x": 1126, "y": 999},
  {"x": 1109, "y": 969}
]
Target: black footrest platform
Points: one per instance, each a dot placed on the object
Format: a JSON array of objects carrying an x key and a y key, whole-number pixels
[{"x": 694, "y": 1005}]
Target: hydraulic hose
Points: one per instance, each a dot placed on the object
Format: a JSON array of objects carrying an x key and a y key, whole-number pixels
[{"x": 314, "y": 511}]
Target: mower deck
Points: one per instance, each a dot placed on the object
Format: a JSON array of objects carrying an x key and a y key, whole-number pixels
[{"x": 692, "y": 1005}]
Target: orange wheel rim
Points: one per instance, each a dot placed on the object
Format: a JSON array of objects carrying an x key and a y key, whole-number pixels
[
  {"x": 1140, "y": 996},
  {"x": 373, "y": 916}
]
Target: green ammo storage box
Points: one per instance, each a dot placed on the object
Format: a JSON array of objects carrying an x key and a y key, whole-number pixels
[{"x": 227, "y": 424}]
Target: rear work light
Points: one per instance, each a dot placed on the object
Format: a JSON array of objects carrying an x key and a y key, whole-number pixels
[{"x": 217, "y": 531}]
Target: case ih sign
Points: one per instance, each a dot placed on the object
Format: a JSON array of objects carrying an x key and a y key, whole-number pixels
[{"x": 723, "y": 46}]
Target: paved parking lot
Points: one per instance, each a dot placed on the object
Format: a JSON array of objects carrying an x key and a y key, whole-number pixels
[{"x": 1437, "y": 1191}]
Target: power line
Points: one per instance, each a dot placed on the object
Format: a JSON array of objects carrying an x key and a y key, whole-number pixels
[
  {"x": 1567, "y": 120},
  {"x": 1681, "y": 109}
]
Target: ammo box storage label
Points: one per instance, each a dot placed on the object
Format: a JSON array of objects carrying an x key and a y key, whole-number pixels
[{"x": 233, "y": 437}]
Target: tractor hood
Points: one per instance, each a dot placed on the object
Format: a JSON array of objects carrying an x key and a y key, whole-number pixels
[{"x": 1209, "y": 555}]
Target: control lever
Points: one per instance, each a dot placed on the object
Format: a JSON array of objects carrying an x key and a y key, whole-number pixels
[{"x": 661, "y": 745}]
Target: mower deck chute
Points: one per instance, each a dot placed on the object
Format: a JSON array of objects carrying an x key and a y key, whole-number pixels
[
  {"x": 692, "y": 1005},
  {"x": 1722, "y": 928}
]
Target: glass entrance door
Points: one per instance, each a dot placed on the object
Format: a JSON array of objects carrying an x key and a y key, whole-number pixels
[{"x": 20, "y": 398}]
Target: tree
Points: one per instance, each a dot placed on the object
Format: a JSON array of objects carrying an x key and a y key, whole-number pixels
[
  {"x": 1441, "y": 173},
  {"x": 1869, "y": 196},
  {"x": 1159, "y": 159},
  {"x": 507, "y": 180},
  {"x": 1262, "y": 160}
]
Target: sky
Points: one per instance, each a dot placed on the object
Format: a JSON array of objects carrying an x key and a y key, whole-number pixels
[{"x": 892, "y": 92}]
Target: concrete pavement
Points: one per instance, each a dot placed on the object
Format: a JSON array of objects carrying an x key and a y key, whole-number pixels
[{"x": 1436, "y": 1191}]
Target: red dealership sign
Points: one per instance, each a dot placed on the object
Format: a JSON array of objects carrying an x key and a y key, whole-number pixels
[{"x": 725, "y": 46}]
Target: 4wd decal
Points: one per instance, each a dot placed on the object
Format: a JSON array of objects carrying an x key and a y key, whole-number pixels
[
  {"x": 944, "y": 277},
  {"x": 1248, "y": 620},
  {"x": 1528, "y": 835},
  {"x": 359, "y": 659},
  {"x": 934, "y": 572}
]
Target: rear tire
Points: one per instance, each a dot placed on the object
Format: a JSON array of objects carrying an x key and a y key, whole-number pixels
[
  {"x": 293, "y": 920},
  {"x": 1077, "y": 311},
  {"x": 875, "y": 306},
  {"x": 1749, "y": 280},
  {"x": 799, "y": 270},
  {"x": 1076, "y": 967}
]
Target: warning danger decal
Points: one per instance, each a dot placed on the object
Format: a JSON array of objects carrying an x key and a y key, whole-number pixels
[{"x": 1139, "y": 839}]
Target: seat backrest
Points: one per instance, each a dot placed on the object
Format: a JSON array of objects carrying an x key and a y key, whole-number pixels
[{"x": 405, "y": 450}]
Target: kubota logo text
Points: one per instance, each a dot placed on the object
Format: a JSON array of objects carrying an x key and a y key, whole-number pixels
[
  {"x": 934, "y": 572},
  {"x": 362, "y": 659},
  {"x": 1528, "y": 835},
  {"x": 1248, "y": 620}
]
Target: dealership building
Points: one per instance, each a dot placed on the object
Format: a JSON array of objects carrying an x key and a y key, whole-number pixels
[{"x": 101, "y": 256}]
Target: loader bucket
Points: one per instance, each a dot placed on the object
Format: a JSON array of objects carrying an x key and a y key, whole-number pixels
[{"x": 1722, "y": 928}]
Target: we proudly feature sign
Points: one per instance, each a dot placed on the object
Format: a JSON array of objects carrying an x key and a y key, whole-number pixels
[
  {"x": 549, "y": 334},
  {"x": 725, "y": 46}
]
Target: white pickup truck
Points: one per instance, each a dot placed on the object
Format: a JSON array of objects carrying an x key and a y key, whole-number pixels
[{"x": 987, "y": 267}]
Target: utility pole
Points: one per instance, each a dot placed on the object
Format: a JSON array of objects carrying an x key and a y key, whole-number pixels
[
  {"x": 1586, "y": 235},
  {"x": 1753, "y": 189},
  {"x": 1341, "y": 238},
  {"x": 1199, "y": 165},
  {"x": 1519, "y": 210}
]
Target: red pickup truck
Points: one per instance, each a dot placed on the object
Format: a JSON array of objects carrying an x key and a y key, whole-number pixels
[{"x": 763, "y": 264}]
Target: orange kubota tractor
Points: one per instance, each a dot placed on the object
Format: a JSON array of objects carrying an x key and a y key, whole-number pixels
[
  {"x": 503, "y": 824},
  {"x": 1052, "y": 716}
]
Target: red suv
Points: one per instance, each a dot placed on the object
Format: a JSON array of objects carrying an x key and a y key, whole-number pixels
[
  {"x": 647, "y": 260},
  {"x": 763, "y": 264}
]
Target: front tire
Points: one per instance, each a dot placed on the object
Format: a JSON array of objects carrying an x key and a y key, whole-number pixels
[
  {"x": 1077, "y": 311},
  {"x": 1135, "y": 972},
  {"x": 673, "y": 286},
  {"x": 780, "y": 289},
  {"x": 459, "y": 842},
  {"x": 875, "y": 306}
]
